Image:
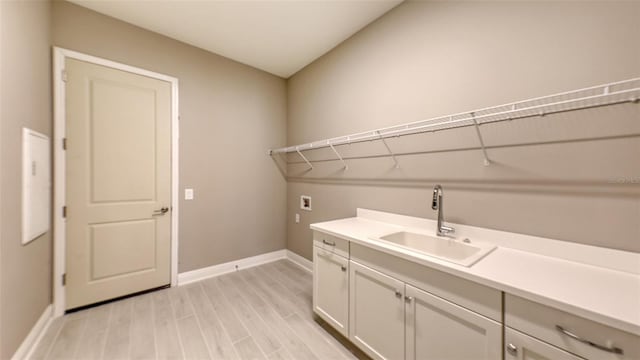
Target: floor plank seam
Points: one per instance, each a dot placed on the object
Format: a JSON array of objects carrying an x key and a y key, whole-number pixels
[
  {"x": 130, "y": 352},
  {"x": 276, "y": 314},
  {"x": 225, "y": 333},
  {"x": 84, "y": 332},
  {"x": 175, "y": 324},
  {"x": 215, "y": 311},
  {"x": 55, "y": 340},
  {"x": 106, "y": 334},
  {"x": 198, "y": 322},
  {"x": 295, "y": 334},
  {"x": 251, "y": 310},
  {"x": 154, "y": 321}
]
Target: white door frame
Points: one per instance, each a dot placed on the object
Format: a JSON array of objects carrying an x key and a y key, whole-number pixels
[{"x": 59, "y": 193}]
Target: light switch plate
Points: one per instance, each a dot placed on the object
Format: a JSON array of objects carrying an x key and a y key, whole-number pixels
[
  {"x": 297, "y": 218},
  {"x": 188, "y": 194}
]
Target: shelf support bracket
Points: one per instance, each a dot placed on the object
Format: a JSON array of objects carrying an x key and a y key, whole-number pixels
[
  {"x": 487, "y": 162},
  {"x": 304, "y": 158},
  {"x": 393, "y": 156},
  {"x": 344, "y": 164}
]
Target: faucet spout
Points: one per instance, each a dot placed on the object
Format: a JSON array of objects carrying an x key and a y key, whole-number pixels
[{"x": 437, "y": 204}]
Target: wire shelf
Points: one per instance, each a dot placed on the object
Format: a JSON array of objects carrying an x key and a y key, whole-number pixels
[{"x": 596, "y": 96}]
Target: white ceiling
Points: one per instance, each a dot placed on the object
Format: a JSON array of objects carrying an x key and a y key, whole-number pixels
[{"x": 278, "y": 36}]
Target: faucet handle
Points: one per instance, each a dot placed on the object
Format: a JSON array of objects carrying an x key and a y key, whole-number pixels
[{"x": 447, "y": 230}]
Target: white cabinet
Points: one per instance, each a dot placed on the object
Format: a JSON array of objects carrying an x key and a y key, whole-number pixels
[
  {"x": 439, "y": 329},
  {"x": 331, "y": 288},
  {"x": 571, "y": 333},
  {"x": 390, "y": 319},
  {"x": 376, "y": 312},
  {"x": 519, "y": 346},
  {"x": 394, "y": 308}
]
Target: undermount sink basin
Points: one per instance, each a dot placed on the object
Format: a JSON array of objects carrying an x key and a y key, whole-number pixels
[{"x": 463, "y": 252}]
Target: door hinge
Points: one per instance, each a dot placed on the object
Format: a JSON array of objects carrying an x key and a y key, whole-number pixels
[
  {"x": 64, "y": 75},
  {"x": 64, "y": 279},
  {"x": 64, "y": 143},
  {"x": 64, "y": 211}
]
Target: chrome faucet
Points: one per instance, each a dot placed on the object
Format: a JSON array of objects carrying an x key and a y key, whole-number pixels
[{"x": 436, "y": 204}]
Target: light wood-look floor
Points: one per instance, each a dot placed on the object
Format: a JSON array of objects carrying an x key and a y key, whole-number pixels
[{"x": 258, "y": 313}]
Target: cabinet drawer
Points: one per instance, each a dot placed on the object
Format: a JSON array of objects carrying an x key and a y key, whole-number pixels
[
  {"x": 542, "y": 322},
  {"x": 519, "y": 346},
  {"x": 331, "y": 243}
]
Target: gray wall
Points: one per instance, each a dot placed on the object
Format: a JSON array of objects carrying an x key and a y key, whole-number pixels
[
  {"x": 230, "y": 114},
  {"x": 25, "y": 101},
  {"x": 573, "y": 176}
]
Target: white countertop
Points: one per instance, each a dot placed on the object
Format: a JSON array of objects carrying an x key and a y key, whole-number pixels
[{"x": 603, "y": 294}]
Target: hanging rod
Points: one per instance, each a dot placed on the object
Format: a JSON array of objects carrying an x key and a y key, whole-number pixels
[{"x": 596, "y": 96}]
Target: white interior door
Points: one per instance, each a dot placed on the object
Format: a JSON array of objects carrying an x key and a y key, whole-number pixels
[{"x": 118, "y": 183}]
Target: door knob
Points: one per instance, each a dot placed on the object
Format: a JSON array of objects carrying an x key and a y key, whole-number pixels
[{"x": 162, "y": 211}]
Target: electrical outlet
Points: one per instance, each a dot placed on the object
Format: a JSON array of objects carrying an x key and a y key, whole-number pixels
[{"x": 188, "y": 194}]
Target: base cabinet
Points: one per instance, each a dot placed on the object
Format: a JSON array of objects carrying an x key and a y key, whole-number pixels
[
  {"x": 376, "y": 312},
  {"x": 519, "y": 346},
  {"x": 392, "y": 308},
  {"x": 331, "y": 288},
  {"x": 390, "y": 319},
  {"x": 439, "y": 329}
]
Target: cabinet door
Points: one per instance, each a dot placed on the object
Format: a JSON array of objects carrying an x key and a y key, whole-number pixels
[
  {"x": 376, "y": 313},
  {"x": 439, "y": 329},
  {"x": 331, "y": 288},
  {"x": 519, "y": 346}
]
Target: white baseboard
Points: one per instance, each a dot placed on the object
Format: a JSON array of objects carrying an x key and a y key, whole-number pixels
[
  {"x": 35, "y": 335},
  {"x": 300, "y": 261},
  {"x": 216, "y": 270}
]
